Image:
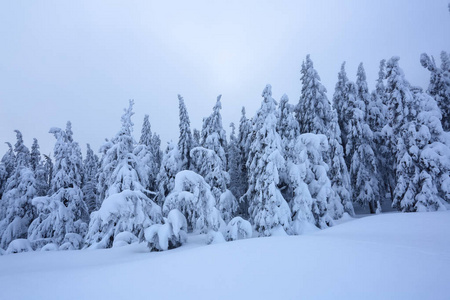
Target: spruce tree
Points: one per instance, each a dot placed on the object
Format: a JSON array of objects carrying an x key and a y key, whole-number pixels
[
  {"x": 237, "y": 186},
  {"x": 268, "y": 209},
  {"x": 213, "y": 135},
  {"x": 340, "y": 99},
  {"x": 313, "y": 108},
  {"x": 63, "y": 215},
  {"x": 439, "y": 86},
  {"x": 185, "y": 139},
  {"x": 127, "y": 206},
  {"x": 19, "y": 191},
  {"x": 90, "y": 166},
  {"x": 244, "y": 141},
  {"x": 170, "y": 166}
]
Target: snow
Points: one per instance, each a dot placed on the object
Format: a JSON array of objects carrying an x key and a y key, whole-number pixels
[{"x": 388, "y": 256}]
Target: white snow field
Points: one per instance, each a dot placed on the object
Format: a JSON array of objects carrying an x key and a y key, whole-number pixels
[{"x": 388, "y": 256}]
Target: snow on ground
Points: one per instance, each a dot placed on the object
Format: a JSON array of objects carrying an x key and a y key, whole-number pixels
[{"x": 390, "y": 256}]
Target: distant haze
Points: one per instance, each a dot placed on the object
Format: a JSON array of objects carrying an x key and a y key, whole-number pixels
[{"x": 82, "y": 60}]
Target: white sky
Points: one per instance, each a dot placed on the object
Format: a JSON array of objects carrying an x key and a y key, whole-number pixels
[{"x": 82, "y": 60}]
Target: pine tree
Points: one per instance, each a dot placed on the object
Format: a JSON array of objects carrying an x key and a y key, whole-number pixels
[
  {"x": 268, "y": 209},
  {"x": 423, "y": 175},
  {"x": 63, "y": 215},
  {"x": 35, "y": 155},
  {"x": 244, "y": 141},
  {"x": 195, "y": 138},
  {"x": 362, "y": 160},
  {"x": 340, "y": 99},
  {"x": 170, "y": 166},
  {"x": 237, "y": 187},
  {"x": 338, "y": 172},
  {"x": 90, "y": 166},
  {"x": 213, "y": 135},
  {"x": 127, "y": 206},
  {"x": 315, "y": 115},
  {"x": 144, "y": 151},
  {"x": 362, "y": 91},
  {"x": 19, "y": 191},
  {"x": 312, "y": 169},
  {"x": 313, "y": 108},
  {"x": 42, "y": 184},
  {"x": 7, "y": 168},
  {"x": 185, "y": 140},
  {"x": 439, "y": 86}
]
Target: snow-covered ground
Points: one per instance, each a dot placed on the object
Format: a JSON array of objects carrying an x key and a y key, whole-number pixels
[{"x": 388, "y": 256}]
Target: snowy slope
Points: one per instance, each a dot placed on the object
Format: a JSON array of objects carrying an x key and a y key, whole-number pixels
[{"x": 390, "y": 256}]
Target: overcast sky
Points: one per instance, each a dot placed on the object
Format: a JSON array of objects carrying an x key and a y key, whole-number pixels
[{"x": 82, "y": 60}]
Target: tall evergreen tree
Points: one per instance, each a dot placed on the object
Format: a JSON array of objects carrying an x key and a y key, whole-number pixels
[
  {"x": 315, "y": 115},
  {"x": 20, "y": 190},
  {"x": 170, "y": 166},
  {"x": 90, "y": 166},
  {"x": 244, "y": 141},
  {"x": 185, "y": 139},
  {"x": 362, "y": 89},
  {"x": 145, "y": 151},
  {"x": 237, "y": 186},
  {"x": 340, "y": 99},
  {"x": 213, "y": 135},
  {"x": 127, "y": 206},
  {"x": 268, "y": 209},
  {"x": 6, "y": 169},
  {"x": 439, "y": 86},
  {"x": 313, "y": 108},
  {"x": 63, "y": 214}
]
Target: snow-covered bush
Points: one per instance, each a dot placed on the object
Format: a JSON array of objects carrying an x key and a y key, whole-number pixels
[
  {"x": 50, "y": 247},
  {"x": 56, "y": 217},
  {"x": 238, "y": 229},
  {"x": 170, "y": 235},
  {"x": 124, "y": 238},
  {"x": 129, "y": 211},
  {"x": 72, "y": 241},
  {"x": 214, "y": 237},
  {"x": 19, "y": 246},
  {"x": 227, "y": 205},
  {"x": 192, "y": 196}
]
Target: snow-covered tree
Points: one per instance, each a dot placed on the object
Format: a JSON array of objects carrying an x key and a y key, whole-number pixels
[
  {"x": 185, "y": 139},
  {"x": 423, "y": 170},
  {"x": 244, "y": 139},
  {"x": 363, "y": 163},
  {"x": 268, "y": 210},
  {"x": 170, "y": 166},
  {"x": 213, "y": 136},
  {"x": 148, "y": 151},
  {"x": 313, "y": 107},
  {"x": 311, "y": 202},
  {"x": 195, "y": 138},
  {"x": 315, "y": 115},
  {"x": 340, "y": 99},
  {"x": 63, "y": 212},
  {"x": 208, "y": 164},
  {"x": 287, "y": 126},
  {"x": 338, "y": 172},
  {"x": 20, "y": 189},
  {"x": 362, "y": 89},
  {"x": 90, "y": 166},
  {"x": 6, "y": 169},
  {"x": 127, "y": 206},
  {"x": 192, "y": 196},
  {"x": 237, "y": 186},
  {"x": 439, "y": 86}
]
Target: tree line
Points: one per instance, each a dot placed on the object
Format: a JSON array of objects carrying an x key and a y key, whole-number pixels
[{"x": 287, "y": 169}]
